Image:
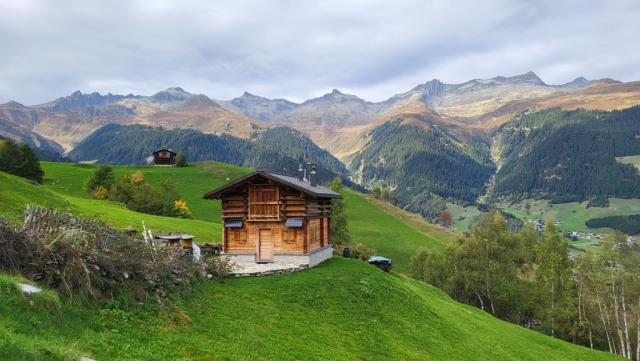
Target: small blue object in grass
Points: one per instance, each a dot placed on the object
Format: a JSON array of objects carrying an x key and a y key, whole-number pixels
[{"x": 381, "y": 262}]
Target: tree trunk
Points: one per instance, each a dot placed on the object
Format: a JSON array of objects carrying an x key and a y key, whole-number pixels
[
  {"x": 638, "y": 331},
  {"x": 604, "y": 323},
  {"x": 481, "y": 301},
  {"x": 623, "y": 349},
  {"x": 626, "y": 324}
]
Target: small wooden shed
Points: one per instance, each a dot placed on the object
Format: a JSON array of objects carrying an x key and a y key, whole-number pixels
[
  {"x": 275, "y": 217},
  {"x": 164, "y": 157}
]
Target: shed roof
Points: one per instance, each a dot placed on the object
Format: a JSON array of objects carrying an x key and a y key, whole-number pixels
[{"x": 293, "y": 182}]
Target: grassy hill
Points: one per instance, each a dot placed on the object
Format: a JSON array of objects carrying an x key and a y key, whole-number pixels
[
  {"x": 393, "y": 232},
  {"x": 341, "y": 310}
]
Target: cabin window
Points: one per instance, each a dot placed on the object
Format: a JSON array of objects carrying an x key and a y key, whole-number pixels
[{"x": 264, "y": 203}]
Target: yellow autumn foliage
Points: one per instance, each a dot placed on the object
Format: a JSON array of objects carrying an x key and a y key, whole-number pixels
[
  {"x": 100, "y": 193},
  {"x": 182, "y": 208}
]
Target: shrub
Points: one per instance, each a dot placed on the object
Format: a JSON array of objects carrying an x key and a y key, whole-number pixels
[
  {"x": 86, "y": 259},
  {"x": 182, "y": 208},
  {"x": 218, "y": 267},
  {"x": 102, "y": 177},
  {"x": 181, "y": 160},
  {"x": 362, "y": 252},
  {"x": 138, "y": 195},
  {"x": 100, "y": 193}
]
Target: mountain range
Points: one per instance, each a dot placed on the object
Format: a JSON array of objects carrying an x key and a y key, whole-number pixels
[{"x": 436, "y": 142}]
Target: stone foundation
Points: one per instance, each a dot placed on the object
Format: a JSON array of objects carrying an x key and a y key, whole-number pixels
[{"x": 246, "y": 264}]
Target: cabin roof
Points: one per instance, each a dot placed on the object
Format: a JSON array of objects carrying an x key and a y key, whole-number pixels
[
  {"x": 164, "y": 150},
  {"x": 293, "y": 182}
]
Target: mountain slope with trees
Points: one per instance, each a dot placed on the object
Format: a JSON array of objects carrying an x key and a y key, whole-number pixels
[
  {"x": 569, "y": 155},
  {"x": 424, "y": 165},
  {"x": 277, "y": 149}
]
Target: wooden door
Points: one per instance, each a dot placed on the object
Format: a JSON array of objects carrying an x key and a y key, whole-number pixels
[{"x": 265, "y": 245}]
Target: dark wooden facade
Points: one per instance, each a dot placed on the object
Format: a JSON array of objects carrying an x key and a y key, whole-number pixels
[
  {"x": 164, "y": 157},
  {"x": 267, "y": 213}
]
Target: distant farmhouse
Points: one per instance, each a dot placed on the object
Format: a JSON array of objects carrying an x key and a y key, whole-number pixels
[
  {"x": 271, "y": 217},
  {"x": 164, "y": 157}
]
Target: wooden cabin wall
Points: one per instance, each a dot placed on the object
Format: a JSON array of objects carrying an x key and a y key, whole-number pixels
[
  {"x": 314, "y": 234},
  {"x": 234, "y": 206},
  {"x": 292, "y": 204}
]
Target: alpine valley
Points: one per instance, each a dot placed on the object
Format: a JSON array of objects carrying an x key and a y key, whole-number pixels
[{"x": 506, "y": 141}]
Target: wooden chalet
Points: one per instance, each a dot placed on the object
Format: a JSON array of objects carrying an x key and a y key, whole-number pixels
[
  {"x": 274, "y": 217},
  {"x": 164, "y": 157}
]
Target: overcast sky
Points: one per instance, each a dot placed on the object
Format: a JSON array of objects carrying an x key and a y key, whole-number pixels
[{"x": 298, "y": 50}]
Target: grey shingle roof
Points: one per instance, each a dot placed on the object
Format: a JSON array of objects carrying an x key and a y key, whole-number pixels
[{"x": 293, "y": 182}]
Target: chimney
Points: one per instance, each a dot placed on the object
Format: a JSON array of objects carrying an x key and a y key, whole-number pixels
[
  {"x": 300, "y": 173},
  {"x": 313, "y": 177}
]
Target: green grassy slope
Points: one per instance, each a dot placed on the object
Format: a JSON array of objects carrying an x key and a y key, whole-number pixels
[
  {"x": 394, "y": 233},
  {"x": 341, "y": 310},
  {"x": 191, "y": 182},
  {"x": 16, "y": 193}
]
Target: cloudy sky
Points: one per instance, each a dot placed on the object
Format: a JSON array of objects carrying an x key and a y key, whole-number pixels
[{"x": 302, "y": 49}]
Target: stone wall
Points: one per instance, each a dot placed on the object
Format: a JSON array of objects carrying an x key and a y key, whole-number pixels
[{"x": 282, "y": 263}]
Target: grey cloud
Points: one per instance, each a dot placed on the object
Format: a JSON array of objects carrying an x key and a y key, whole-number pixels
[{"x": 298, "y": 49}]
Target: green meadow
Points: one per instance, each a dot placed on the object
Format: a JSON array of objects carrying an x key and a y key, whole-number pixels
[
  {"x": 394, "y": 233},
  {"x": 340, "y": 310}
]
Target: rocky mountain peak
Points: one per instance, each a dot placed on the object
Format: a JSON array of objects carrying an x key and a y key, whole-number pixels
[
  {"x": 12, "y": 105},
  {"x": 528, "y": 77},
  {"x": 171, "y": 94},
  {"x": 576, "y": 83},
  {"x": 200, "y": 101}
]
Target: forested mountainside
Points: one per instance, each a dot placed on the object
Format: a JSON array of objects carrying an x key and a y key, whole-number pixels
[
  {"x": 277, "y": 149},
  {"x": 569, "y": 155},
  {"x": 424, "y": 165}
]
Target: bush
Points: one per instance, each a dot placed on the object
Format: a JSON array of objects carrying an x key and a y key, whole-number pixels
[
  {"x": 86, "y": 259},
  {"x": 362, "y": 252},
  {"x": 181, "y": 160},
  {"x": 218, "y": 267},
  {"x": 140, "y": 196},
  {"x": 100, "y": 193},
  {"x": 182, "y": 208},
  {"x": 102, "y": 178}
]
